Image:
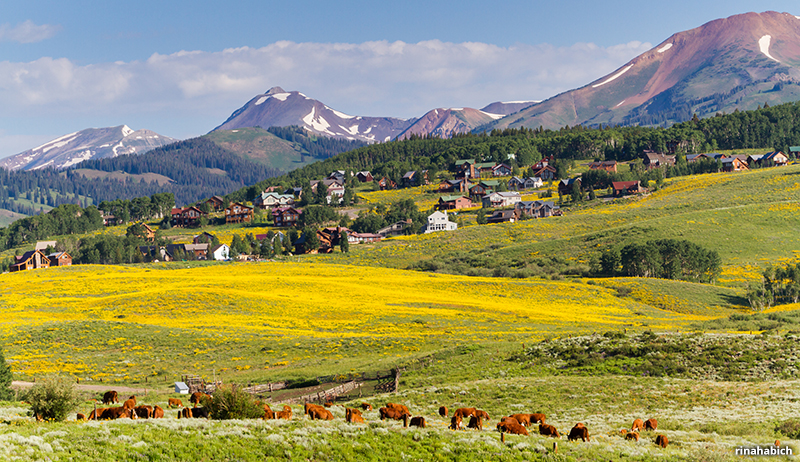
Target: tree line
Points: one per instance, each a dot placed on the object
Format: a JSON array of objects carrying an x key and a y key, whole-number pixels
[{"x": 663, "y": 258}]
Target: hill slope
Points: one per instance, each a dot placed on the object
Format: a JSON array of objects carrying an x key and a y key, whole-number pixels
[{"x": 738, "y": 62}]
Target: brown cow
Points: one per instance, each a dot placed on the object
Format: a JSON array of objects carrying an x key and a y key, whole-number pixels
[
  {"x": 130, "y": 403},
  {"x": 97, "y": 413},
  {"x": 661, "y": 440},
  {"x": 110, "y": 397},
  {"x": 509, "y": 425},
  {"x": 632, "y": 436},
  {"x": 186, "y": 413},
  {"x": 418, "y": 422},
  {"x": 320, "y": 413},
  {"x": 174, "y": 402},
  {"x": 578, "y": 431},
  {"x": 158, "y": 413},
  {"x": 443, "y": 411},
  {"x": 537, "y": 418},
  {"x": 143, "y": 411},
  {"x": 455, "y": 422},
  {"x": 638, "y": 424},
  {"x": 476, "y": 423},
  {"x": 308, "y": 406},
  {"x": 366, "y": 406},
  {"x": 113, "y": 413},
  {"x": 80, "y": 417},
  {"x": 482, "y": 414},
  {"x": 548, "y": 430},
  {"x": 285, "y": 414},
  {"x": 393, "y": 413},
  {"x": 197, "y": 398},
  {"x": 522, "y": 419},
  {"x": 650, "y": 424},
  {"x": 268, "y": 413},
  {"x": 399, "y": 407},
  {"x": 465, "y": 412},
  {"x": 353, "y": 415}
]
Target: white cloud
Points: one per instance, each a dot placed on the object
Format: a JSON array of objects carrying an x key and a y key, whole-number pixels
[
  {"x": 372, "y": 78},
  {"x": 27, "y": 32}
]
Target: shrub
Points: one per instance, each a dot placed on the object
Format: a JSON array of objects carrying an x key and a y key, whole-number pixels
[
  {"x": 233, "y": 403},
  {"x": 789, "y": 428},
  {"x": 52, "y": 399},
  {"x": 6, "y": 394}
]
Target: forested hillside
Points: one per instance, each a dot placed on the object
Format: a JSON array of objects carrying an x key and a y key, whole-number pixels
[{"x": 775, "y": 127}]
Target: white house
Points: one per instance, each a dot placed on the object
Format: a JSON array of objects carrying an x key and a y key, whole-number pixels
[
  {"x": 533, "y": 182},
  {"x": 437, "y": 221},
  {"x": 501, "y": 199},
  {"x": 221, "y": 252}
]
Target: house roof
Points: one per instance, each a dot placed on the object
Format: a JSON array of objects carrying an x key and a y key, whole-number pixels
[
  {"x": 450, "y": 198},
  {"x": 624, "y": 184},
  {"x": 490, "y": 182},
  {"x": 409, "y": 175}
]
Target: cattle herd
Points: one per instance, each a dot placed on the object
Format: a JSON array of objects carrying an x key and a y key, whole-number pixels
[{"x": 516, "y": 424}]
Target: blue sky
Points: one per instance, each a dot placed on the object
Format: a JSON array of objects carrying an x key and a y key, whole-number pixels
[{"x": 181, "y": 67}]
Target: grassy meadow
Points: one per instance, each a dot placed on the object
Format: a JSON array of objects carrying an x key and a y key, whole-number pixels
[{"x": 507, "y": 334}]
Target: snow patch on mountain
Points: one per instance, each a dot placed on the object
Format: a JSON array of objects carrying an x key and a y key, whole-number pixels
[
  {"x": 281, "y": 96},
  {"x": 54, "y": 142},
  {"x": 613, "y": 77},
  {"x": 261, "y": 100},
  {"x": 664, "y": 48},
  {"x": 493, "y": 116},
  {"x": 126, "y": 130},
  {"x": 763, "y": 45}
]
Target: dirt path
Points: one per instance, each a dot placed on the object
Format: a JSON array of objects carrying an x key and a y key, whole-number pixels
[{"x": 97, "y": 388}]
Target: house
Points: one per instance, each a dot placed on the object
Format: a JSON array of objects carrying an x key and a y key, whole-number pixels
[
  {"x": 187, "y": 216},
  {"x": 484, "y": 169},
  {"x": 338, "y": 175},
  {"x": 607, "y": 165},
  {"x": 32, "y": 259},
  {"x": 565, "y": 186},
  {"x": 776, "y": 158},
  {"x": 453, "y": 203},
  {"x": 110, "y": 220},
  {"x": 328, "y": 182},
  {"x": 501, "y": 170},
  {"x": 296, "y": 192},
  {"x": 238, "y": 213},
  {"x": 484, "y": 187},
  {"x": 363, "y": 238},
  {"x": 502, "y": 216},
  {"x": 154, "y": 253},
  {"x": 501, "y": 199},
  {"x": 652, "y": 159},
  {"x": 364, "y": 177},
  {"x": 535, "y": 209},
  {"x": 465, "y": 168},
  {"x": 386, "y": 183},
  {"x": 220, "y": 252},
  {"x": 626, "y": 188},
  {"x": 518, "y": 184},
  {"x": 713, "y": 156},
  {"x": 43, "y": 245},
  {"x": 285, "y": 216},
  {"x": 395, "y": 229},
  {"x": 200, "y": 251},
  {"x": 204, "y": 237},
  {"x": 149, "y": 233},
  {"x": 216, "y": 203},
  {"x": 273, "y": 199},
  {"x": 411, "y": 178},
  {"x": 335, "y": 191},
  {"x": 60, "y": 259},
  {"x": 533, "y": 182},
  {"x": 546, "y": 172},
  {"x": 734, "y": 164},
  {"x": 462, "y": 186},
  {"x": 437, "y": 221}
]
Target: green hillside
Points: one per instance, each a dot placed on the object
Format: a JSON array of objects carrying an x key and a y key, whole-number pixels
[{"x": 263, "y": 147}]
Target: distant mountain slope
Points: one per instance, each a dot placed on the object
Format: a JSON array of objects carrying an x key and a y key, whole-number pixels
[
  {"x": 279, "y": 108},
  {"x": 508, "y": 107},
  {"x": 92, "y": 143},
  {"x": 738, "y": 62},
  {"x": 446, "y": 122}
]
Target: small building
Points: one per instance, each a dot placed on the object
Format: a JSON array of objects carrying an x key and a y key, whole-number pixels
[
  {"x": 502, "y": 216},
  {"x": 32, "y": 259},
  {"x": 776, "y": 158},
  {"x": 652, "y": 159},
  {"x": 364, "y": 177},
  {"x": 501, "y": 199},
  {"x": 626, "y": 188},
  {"x": 607, "y": 165},
  {"x": 220, "y": 252},
  {"x": 110, "y": 220},
  {"x": 273, "y": 199},
  {"x": 386, "y": 183},
  {"x": 238, "y": 213},
  {"x": 565, "y": 186},
  {"x": 501, "y": 170},
  {"x": 204, "y": 237},
  {"x": 484, "y": 187},
  {"x": 734, "y": 164},
  {"x": 461, "y": 186},
  {"x": 535, "y": 209},
  {"x": 200, "y": 251},
  {"x": 437, "y": 221},
  {"x": 181, "y": 388},
  {"x": 216, "y": 203},
  {"x": 453, "y": 203},
  {"x": 533, "y": 182},
  {"x": 60, "y": 259}
]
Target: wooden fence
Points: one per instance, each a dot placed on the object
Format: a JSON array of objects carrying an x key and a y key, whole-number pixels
[
  {"x": 265, "y": 388},
  {"x": 325, "y": 395}
]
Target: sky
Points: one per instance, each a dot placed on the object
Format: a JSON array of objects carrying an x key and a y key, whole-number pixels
[{"x": 180, "y": 68}]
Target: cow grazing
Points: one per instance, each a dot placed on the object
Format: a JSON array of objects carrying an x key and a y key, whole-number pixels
[
  {"x": 443, "y": 411},
  {"x": 399, "y": 407},
  {"x": 285, "y": 414},
  {"x": 174, "y": 402},
  {"x": 465, "y": 412},
  {"x": 199, "y": 412},
  {"x": 393, "y": 413},
  {"x": 308, "y": 406},
  {"x": 522, "y": 419},
  {"x": 320, "y": 413},
  {"x": 198, "y": 397},
  {"x": 97, "y": 413},
  {"x": 186, "y": 413},
  {"x": 158, "y": 413},
  {"x": 418, "y": 422},
  {"x": 509, "y": 425},
  {"x": 578, "y": 431},
  {"x": 537, "y": 418},
  {"x": 144, "y": 412},
  {"x": 113, "y": 413},
  {"x": 110, "y": 397},
  {"x": 548, "y": 430},
  {"x": 80, "y": 417},
  {"x": 455, "y": 422},
  {"x": 130, "y": 403},
  {"x": 634, "y": 436},
  {"x": 661, "y": 440},
  {"x": 650, "y": 424},
  {"x": 366, "y": 406},
  {"x": 268, "y": 413},
  {"x": 476, "y": 423},
  {"x": 353, "y": 415},
  {"x": 482, "y": 414},
  {"x": 638, "y": 424}
]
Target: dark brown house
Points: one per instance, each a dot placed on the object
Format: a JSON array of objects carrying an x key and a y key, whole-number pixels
[
  {"x": 626, "y": 188},
  {"x": 186, "y": 217},
  {"x": 238, "y": 213},
  {"x": 216, "y": 203},
  {"x": 33, "y": 259},
  {"x": 285, "y": 216},
  {"x": 60, "y": 259}
]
